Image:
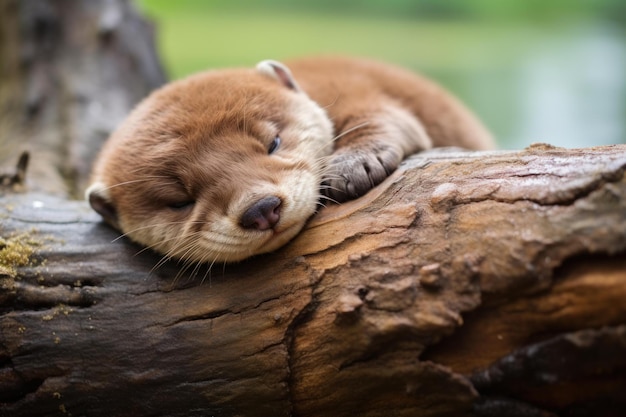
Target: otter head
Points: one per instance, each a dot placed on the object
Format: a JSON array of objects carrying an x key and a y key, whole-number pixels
[{"x": 217, "y": 167}]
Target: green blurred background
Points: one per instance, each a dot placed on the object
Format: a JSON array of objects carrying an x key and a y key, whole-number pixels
[{"x": 534, "y": 70}]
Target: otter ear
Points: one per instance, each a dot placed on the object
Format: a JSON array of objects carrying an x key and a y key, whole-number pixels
[
  {"x": 279, "y": 72},
  {"x": 98, "y": 196}
]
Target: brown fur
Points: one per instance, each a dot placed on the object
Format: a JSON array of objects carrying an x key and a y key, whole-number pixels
[
  {"x": 205, "y": 140},
  {"x": 353, "y": 90}
]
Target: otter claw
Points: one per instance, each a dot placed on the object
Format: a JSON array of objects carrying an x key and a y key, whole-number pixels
[{"x": 352, "y": 174}]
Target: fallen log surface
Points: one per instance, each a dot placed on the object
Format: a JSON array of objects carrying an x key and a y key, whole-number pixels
[{"x": 482, "y": 284}]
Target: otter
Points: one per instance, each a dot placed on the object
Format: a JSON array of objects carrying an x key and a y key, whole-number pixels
[{"x": 231, "y": 163}]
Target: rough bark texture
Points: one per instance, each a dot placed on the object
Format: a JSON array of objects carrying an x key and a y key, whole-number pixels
[
  {"x": 70, "y": 70},
  {"x": 480, "y": 284}
]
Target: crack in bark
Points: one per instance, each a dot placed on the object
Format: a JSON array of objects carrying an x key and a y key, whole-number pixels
[
  {"x": 265, "y": 349},
  {"x": 199, "y": 317},
  {"x": 39, "y": 221},
  {"x": 15, "y": 386},
  {"x": 303, "y": 317},
  {"x": 25, "y": 297},
  {"x": 581, "y": 193}
]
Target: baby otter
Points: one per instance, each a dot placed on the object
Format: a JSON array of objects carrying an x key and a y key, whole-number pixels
[{"x": 227, "y": 164}]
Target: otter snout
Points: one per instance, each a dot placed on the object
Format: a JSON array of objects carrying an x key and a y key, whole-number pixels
[{"x": 262, "y": 215}]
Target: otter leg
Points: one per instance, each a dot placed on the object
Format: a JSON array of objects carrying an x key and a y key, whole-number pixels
[{"x": 369, "y": 148}]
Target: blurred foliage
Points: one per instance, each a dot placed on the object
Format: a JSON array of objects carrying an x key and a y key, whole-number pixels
[
  {"x": 421, "y": 9},
  {"x": 429, "y": 35},
  {"x": 533, "y": 70}
]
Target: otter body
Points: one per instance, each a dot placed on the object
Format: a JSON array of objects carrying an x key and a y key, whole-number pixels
[{"x": 227, "y": 164}]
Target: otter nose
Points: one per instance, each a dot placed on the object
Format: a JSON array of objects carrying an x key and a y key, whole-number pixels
[{"x": 262, "y": 215}]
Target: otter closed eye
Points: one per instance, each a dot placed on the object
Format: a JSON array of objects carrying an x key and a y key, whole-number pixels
[
  {"x": 274, "y": 145},
  {"x": 180, "y": 205},
  {"x": 339, "y": 133}
]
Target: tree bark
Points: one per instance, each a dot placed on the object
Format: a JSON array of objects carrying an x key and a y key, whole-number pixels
[
  {"x": 480, "y": 284},
  {"x": 70, "y": 71}
]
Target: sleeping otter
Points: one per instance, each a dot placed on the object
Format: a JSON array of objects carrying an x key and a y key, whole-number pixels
[{"x": 227, "y": 164}]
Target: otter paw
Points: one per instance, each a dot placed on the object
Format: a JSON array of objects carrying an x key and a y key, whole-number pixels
[{"x": 353, "y": 172}]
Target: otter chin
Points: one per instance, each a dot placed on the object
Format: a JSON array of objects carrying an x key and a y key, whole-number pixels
[{"x": 228, "y": 164}]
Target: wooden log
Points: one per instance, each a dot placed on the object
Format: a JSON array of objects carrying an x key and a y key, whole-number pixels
[{"x": 454, "y": 288}]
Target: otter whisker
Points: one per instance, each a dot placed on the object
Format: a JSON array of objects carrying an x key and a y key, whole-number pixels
[
  {"x": 190, "y": 248},
  {"x": 328, "y": 187},
  {"x": 320, "y": 204},
  {"x": 132, "y": 182},
  {"x": 329, "y": 105},
  {"x": 352, "y": 129},
  {"x": 189, "y": 259},
  {"x": 331, "y": 176},
  {"x": 194, "y": 273},
  {"x": 164, "y": 259},
  {"x": 175, "y": 249},
  {"x": 208, "y": 272},
  {"x": 148, "y": 227},
  {"x": 327, "y": 198},
  {"x": 171, "y": 254},
  {"x": 188, "y": 241},
  {"x": 182, "y": 271}
]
